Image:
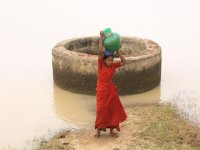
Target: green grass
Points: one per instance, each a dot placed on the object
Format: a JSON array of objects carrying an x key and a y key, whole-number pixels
[{"x": 166, "y": 130}]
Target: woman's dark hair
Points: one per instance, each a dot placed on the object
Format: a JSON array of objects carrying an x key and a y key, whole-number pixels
[{"x": 106, "y": 56}]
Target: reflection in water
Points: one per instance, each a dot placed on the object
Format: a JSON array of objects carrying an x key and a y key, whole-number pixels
[
  {"x": 74, "y": 108},
  {"x": 149, "y": 97},
  {"x": 80, "y": 109}
]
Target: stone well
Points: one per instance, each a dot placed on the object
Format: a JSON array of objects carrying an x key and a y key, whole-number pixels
[{"x": 75, "y": 65}]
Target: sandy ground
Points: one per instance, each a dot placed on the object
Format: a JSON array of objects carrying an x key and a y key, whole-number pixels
[{"x": 132, "y": 133}]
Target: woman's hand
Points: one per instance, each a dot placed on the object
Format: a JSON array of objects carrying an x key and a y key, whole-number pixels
[
  {"x": 116, "y": 54},
  {"x": 101, "y": 34},
  {"x": 123, "y": 61}
]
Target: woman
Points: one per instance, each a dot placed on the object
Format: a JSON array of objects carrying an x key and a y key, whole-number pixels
[{"x": 109, "y": 110}]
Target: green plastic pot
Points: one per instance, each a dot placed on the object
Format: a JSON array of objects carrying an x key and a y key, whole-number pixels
[{"x": 112, "y": 42}]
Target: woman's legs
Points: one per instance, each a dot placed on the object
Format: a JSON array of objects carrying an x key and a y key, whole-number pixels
[{"x": 98, "y": 133}]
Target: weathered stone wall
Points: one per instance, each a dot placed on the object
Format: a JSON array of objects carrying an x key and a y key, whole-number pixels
[{"x": 75, "y": 65}]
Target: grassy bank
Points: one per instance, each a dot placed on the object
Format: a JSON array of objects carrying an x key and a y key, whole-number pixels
[{"x": 153, "y": 127}]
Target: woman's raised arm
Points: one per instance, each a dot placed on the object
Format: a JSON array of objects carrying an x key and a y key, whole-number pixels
[{"x": 101, "y": 44}]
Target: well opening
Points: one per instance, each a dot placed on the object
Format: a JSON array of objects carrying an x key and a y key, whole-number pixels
[{"x": 129, "y": 47}]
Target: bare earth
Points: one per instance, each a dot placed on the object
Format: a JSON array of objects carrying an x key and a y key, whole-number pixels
[{"x": 155, "y": 127}]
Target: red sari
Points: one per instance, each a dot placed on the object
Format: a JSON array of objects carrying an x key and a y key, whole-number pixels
[{"x": 109, "y": 110}]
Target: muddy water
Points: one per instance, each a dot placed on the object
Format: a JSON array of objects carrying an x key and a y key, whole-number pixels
[{"x": 32, "y": 108}]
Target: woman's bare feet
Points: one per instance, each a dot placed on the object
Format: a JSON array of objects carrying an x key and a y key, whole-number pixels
[
  {"x": 98, "y": 132},
  {"x": 97, "y": 135},
  {"x": 113, "y": 134}
]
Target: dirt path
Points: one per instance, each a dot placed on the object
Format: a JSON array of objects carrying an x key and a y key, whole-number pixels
[{"x": 147, "y": 127}]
